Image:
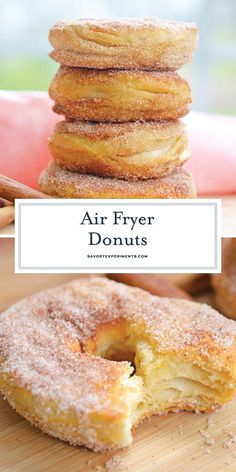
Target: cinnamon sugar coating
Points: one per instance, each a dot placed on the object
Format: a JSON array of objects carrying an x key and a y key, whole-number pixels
[
  {"x": 130, "y": 43},
  {"x": 119, "y": 96},
  {"x": 53, "y": 373},
  {"x": 224, "y": 284},
  {"x": 129, "y": 151},
  {"x": 59, "y": 182}
]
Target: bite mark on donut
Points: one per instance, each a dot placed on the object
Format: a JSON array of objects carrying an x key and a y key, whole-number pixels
[{"x": 165, "y": 383}]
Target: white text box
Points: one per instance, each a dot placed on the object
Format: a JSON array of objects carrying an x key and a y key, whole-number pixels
[{"x": 117, "y": 236}]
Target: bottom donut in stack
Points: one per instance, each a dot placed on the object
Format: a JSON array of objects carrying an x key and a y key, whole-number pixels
[
  {"x": 59, "y": 182},
  {"x": 59, "y": 353}
]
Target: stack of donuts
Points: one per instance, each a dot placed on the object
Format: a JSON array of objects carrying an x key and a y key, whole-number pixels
[{"x": 122, "y": 99}]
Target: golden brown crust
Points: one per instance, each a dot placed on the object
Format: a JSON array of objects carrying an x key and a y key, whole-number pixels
[
  {"x": 65, "y": 184},
  {"x": 118, "y": 96},
  {"x": 224, "y": 284},
  {"x": 53, "y": 373},
  {"x": 123, "y": 44},
  {"x": 128, "y": 151}
]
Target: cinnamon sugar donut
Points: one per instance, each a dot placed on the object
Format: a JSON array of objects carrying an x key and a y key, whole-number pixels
[
  {"x": 127, "y": 151},
  {"x": 127, "y": 43},
  {"x": 62, "y": 183},
  {"x": 59, "y": 353},
  {"x": 224, "y": 284},
  {"x": 118, "y": 96}
]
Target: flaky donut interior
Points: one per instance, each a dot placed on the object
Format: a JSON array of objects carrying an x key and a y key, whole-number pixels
[
  {"x": 161, "y": 382},
  {"x": 121, "y": 88},
  {"x": 165, "y": 149}
]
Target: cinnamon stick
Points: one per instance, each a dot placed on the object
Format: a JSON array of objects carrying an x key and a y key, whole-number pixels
[
  {"x": 4, "y": 203},
  {"x": 191, "y": 283},
  {"x": 11, "y": 189},
  {"x": 7, "y": 216},
  {"x": 153, "y": 283}
]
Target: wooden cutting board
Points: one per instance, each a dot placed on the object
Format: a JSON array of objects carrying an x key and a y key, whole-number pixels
[{"x": 171, "y": 443}]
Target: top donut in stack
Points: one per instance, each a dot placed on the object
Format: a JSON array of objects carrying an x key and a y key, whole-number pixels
[{"x": 121, "y": 97}]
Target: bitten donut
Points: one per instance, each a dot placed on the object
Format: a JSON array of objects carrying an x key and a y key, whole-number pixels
[
  {"x": 66, "y": 184},
  {"x": 123, "y": 44},
  {"x": 118, "y": 96},
  {"x": 59, "y": 353},
  {"x": 128, "y": 151},
  {"x": 224, "y": 284}
]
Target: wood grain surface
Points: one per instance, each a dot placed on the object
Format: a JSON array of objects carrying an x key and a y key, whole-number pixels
[
  {"x": 184, "y": 442},
  {"x": 171, "y": 443}
]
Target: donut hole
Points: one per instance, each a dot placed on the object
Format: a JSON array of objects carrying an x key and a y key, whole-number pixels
[
  {"x": 115, "y": 343},
  {"x": 120, "y": 355}
]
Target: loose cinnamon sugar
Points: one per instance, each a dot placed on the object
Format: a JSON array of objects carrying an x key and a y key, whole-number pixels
[
  {"x": 210, "y": 423},
  {"x": 115, "y": 463},
  {"x": 204, "y": 433}
]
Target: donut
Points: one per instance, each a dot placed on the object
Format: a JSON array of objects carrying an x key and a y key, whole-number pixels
[
  {"x": 63, "y": 183},
  {"x": 148, "y": 44},
  {"x": 224, "y": 284},
  {"x": 118, "y": 96},
  {"x": 128, "y": 151},
  {"x": 66, "y": 357}
]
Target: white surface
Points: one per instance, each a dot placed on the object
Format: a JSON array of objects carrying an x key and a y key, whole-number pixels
[
  {"x": 228, "y": 219},
  {"x": 182, "y": 236}
]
